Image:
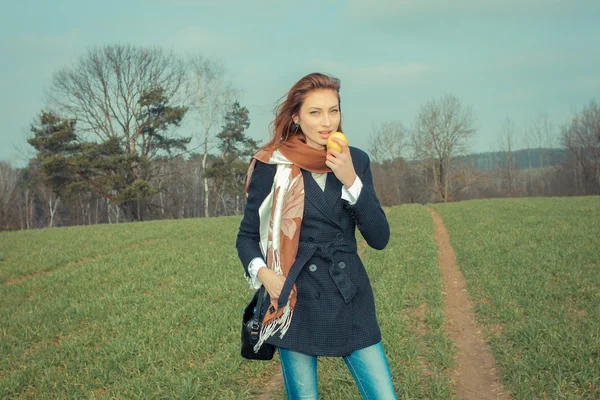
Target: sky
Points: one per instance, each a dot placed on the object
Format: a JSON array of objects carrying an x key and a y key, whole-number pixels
[{"x": 502, "y": 58}]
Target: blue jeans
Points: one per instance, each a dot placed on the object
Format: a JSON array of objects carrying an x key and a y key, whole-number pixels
[{"x": 368, "y": 366}]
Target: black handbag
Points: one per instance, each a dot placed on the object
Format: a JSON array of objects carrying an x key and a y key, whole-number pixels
[{"x": 254, "y": 314}]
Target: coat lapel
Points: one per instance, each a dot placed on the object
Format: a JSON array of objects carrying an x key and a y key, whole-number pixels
[
  {"x": 323, "y": 201},
  {"x": 333, "y": 189}
]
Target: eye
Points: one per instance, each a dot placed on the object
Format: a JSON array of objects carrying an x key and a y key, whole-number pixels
[
  {"x": 314, "y": 112},
  {"x": 335, "y": 111}
]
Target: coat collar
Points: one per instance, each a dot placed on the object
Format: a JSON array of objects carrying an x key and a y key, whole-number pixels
[{"x": 323, "y": 201}]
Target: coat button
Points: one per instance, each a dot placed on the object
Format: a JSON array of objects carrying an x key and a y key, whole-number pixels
[
  {"x": 312, "y": 267},
  {"x": 342, "y": 264},
  {"x": 317, "y": 295},
  {"x": 339, "y": 236},
  {"x": 311, "y": 239}
]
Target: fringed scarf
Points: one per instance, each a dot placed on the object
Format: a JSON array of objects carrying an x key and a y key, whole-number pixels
[{"x": 281, "y": 217}]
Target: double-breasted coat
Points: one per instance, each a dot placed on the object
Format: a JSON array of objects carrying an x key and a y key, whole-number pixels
[{"x": 335, "y": 309}]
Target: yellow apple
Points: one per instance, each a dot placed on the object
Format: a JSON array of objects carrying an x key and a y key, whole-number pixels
[{"x": 333, "y": 145}]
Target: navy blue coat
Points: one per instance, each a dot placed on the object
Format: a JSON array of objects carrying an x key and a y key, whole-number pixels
[{"x": 335, "y": 309}]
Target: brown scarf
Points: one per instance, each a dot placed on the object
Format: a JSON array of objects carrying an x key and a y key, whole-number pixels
[{"x": 281, "y": 218}]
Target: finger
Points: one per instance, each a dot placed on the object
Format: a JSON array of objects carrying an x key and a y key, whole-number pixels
[
  {"x": 345, "y": 148},
  {"x": 333, "y": 152},
  {"x": 340, "y": 142},
  {"x": 338, "y": 161}
]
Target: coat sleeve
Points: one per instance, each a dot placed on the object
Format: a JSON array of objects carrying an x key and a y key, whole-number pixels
[
  {"x": 248, "y": 238},
  {"x": 370, "y": 217}
]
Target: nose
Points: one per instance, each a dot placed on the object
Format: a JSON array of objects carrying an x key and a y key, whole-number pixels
[{"x": 326, "y": 121}]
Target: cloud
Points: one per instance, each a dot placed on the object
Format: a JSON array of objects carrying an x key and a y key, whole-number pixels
[
  {"x": 375, "y": 8},
  {"x": 587, "y": 83},
  {"x": 210, "y": 43},
  {"x": 35, "y": 56},
  {"x": 527, "y": 60},
  {"x": 191, "y": 2},
  {"x": 520, "y": 94},
  {"x": 545, "y": 58},
  {"x": 230, "y": 4},
  {"x": 43, "y": 42},
  {"x": 386, "y": 74},
  {"x": 395, "y": 72}
]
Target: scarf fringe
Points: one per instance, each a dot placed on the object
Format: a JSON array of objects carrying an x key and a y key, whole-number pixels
[
  {"x": 281, "y": 324},
  {"x": 250, "y": 281}
]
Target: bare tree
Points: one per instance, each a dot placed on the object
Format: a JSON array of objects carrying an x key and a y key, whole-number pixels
[
  {"x": 103, "y": 92},
  {"x": 388, "y": 141},
  {"x": 121, "y": 99},
  {"x": 541, "y": 132},
  {"x": 466, "y": 181},
  {"x": 212, "y": 94},
  {"x": 443, "y": 131},
  {"x": 51, "y": 199},
  {"x": 26, "y": 208},
  {"x": 582, "y": 138},
  {"x": 387, "y": 145},
  {"x": 9, "y": 178},
  {"x": 506, "y": 143},
  {"x": 527, "y": 143}
]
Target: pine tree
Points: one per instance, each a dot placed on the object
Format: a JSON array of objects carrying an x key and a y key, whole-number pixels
[{"x": 229, "y": 171}]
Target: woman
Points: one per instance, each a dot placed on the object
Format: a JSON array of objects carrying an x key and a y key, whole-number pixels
[{"x": 303, "y": 204}]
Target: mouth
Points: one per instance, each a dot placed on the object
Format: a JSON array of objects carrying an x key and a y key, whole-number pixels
[{"x": 325, "y": 134}]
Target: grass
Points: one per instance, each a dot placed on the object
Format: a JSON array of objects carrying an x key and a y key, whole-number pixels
[
  {"x": 532, "y": 267},
  {"x": 407, "y": 285},
  {"x": 153, "y": 309},
  {"x": 153, "y": 313},
  {"x": 23, "y": 253}
]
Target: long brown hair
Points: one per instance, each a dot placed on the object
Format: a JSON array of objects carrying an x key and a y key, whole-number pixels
[{"x": 283, "y": 126}]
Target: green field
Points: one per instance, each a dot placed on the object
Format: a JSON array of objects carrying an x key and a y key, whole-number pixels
[
  {"x": 153, "y": 309},
  {"x": 532, "y": 268},
  {"x": 408, "y": 292}
]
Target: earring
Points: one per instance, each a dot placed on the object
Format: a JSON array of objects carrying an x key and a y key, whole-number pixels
[{"x": 296, "y": 126}]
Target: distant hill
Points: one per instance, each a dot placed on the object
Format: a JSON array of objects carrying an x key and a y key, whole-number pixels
[{"x": 495, "y": 159}]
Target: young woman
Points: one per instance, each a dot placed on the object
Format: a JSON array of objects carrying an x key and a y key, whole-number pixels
[{"x": 297, "y": 238}]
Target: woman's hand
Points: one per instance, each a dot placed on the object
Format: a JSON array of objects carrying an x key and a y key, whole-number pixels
[
  {"x": 341, "y": 163},
  {"x": 272, "y": 281}
]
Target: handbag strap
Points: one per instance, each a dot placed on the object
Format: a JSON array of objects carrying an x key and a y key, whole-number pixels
[{"x": 259, "y": 301}]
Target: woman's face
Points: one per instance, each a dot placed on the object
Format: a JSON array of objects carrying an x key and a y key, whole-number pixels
[{"x": 319, "y": 117}]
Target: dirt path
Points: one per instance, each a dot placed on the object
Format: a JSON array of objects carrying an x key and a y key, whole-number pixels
[
  {"x": 274, "y": 384},
  {"x": 475, "y": 374}
]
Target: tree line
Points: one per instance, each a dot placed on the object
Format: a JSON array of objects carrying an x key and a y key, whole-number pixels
[
  {"x": 108, "y": 149},
  {"x": 429, "y": 161}
]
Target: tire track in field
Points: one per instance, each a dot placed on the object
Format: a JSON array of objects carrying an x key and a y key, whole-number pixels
[
  {"x": 474, "y": 375},
  {"x": 83, "y": 260}
]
